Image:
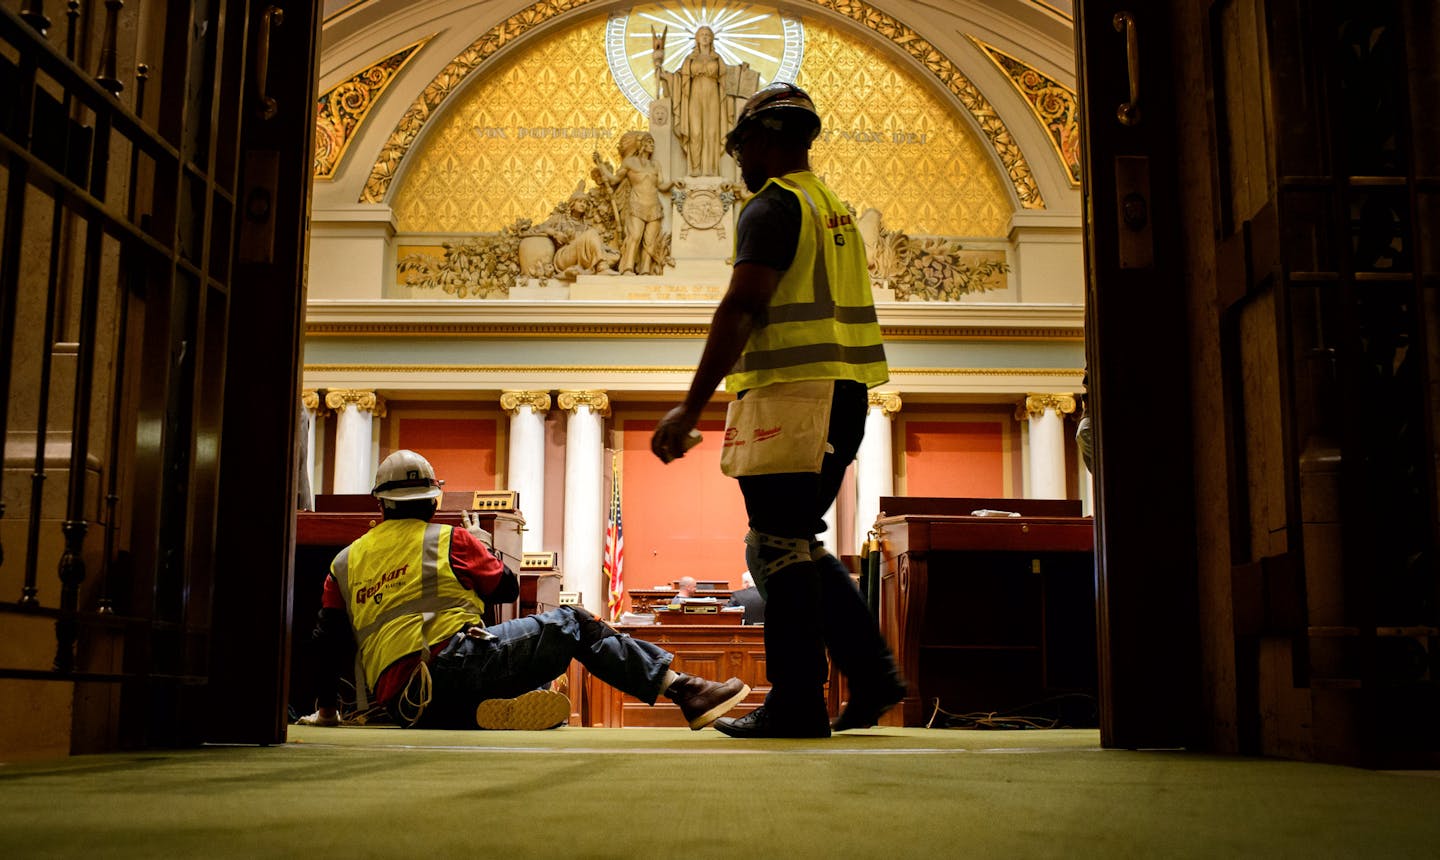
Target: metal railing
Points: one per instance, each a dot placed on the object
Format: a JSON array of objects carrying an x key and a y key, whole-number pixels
[{"x": 88, "y": 187}]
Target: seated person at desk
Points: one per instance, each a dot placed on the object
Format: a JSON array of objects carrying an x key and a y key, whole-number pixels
[
  {"x": 411, "y": 592},
  {"x": 749, "y": 597},
  {"x": 685, "y": 587}
]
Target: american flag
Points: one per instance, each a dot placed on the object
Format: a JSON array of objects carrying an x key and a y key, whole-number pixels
[{"x": 615, "y": 543}]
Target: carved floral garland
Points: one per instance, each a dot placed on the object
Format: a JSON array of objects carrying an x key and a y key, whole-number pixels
[{"x": 487, "y": 265}]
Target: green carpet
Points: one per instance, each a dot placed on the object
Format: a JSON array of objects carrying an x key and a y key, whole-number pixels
[{"x": 884, "y": 793}]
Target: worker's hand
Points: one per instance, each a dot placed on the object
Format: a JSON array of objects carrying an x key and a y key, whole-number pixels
[
  {"x": 472, "y": 525},
  {"x": 673, "y": 435},
  {"x": 475, "y": 631},
  {"x": 321, "y": 717}
]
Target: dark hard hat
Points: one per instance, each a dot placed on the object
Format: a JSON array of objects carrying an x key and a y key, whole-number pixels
[{"x": 775, "y": 106}]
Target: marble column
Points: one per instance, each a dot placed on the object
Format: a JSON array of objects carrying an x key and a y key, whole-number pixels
[
  {"x": 1047, "y": 442},
  {"x": 582, "y": 554},
  {"x": 356, "y": 412},
  {"x": 305, "y": 484},
  {"x": 526, "y": 469},
  {"x": 874, "y": 463}
]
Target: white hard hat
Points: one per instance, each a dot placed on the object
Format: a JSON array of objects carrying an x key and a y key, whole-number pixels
[{"x": 405, "y": 475}]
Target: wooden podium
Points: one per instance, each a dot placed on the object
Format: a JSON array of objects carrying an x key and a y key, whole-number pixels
[
  {"x": 649, "y": 599},
  {"x": 339, "y": 519},
  {"x": 986, "y": 614},
  {"x": 715, "y": 651}
]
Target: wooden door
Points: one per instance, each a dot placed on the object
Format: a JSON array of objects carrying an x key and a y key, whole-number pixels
[
  {"x": 1256, "y": 396},
  {"x": 1289, "y": 543},
  {"x": 150, "y": 296},
  {"x": 255, "y": 534},
  {"x": 1325, "y": 164},
  {"x": 1136, "y": 343}
]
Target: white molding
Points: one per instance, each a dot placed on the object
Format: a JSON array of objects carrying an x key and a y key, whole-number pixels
[{"x": 401, "y": 313}]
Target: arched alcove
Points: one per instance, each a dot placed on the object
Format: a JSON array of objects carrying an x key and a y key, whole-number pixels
[{"x": 519, "y": 135}]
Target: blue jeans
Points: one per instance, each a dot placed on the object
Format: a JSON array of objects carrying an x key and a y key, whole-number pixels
[
  {"x": 529, "y": 653},
  {"x": 814, "y": 606}
]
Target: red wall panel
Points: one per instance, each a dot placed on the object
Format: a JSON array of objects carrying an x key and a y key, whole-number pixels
[
  {"x": 682, "y": 519},
  {"x": 955, "y": 458},
  {"x": 462, "y": 450}
]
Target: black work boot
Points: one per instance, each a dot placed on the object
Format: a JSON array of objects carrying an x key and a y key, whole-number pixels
[
  {"x": 867, "y": 704},
  {"x": 702, "y": 701},
  {"x": 759, "y": 723}
]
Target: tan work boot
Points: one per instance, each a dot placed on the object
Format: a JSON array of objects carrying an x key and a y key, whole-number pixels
[
  {"x": 528, "y": 712},
  {"x": 703, "y": 702}
]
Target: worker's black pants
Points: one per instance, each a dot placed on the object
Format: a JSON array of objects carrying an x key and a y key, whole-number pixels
[{"x": 813, "y": 605}]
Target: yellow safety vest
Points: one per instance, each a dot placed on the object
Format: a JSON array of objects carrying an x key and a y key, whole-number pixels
[
  {"x": 821, "y": 321},
  {"x": 401, "y": 594}
]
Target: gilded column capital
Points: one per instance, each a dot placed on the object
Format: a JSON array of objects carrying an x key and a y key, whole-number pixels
[
  {"x": 887, "y": 401},
  {"x": 310, "y": 398},
  {"x": 1036, "y": 404},
  {"x": 363, "y": 401},
  {"x": 538, "y": 401},
  {"x": 598, "y": 401}
]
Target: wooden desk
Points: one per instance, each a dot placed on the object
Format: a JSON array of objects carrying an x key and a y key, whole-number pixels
[
  {"x": 721, "y": 615},
  {"x": 539, "y": 591},
  {"x": 714, "y": 651},
  {"x": 987, "y": 614},
  {"x": 646, "y": 599},
  {"x": 333, "y": 530},
  {"x": 340, "y": 519}
]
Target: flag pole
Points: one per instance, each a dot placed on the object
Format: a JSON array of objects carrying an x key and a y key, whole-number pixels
[{"x": 614, "y": 546}]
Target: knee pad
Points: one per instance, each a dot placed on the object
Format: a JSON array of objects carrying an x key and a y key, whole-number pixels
[{"x": 767, "y": 555}]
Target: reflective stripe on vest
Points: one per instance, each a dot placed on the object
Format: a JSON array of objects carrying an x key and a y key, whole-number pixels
[
  {"x": 429, "y": 574},
  {"x": 817, "y": 327},
  {"x": 421, "y": 611}
]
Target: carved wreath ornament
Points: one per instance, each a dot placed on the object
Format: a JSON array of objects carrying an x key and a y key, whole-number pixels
[{"x": 703, "y": 209}]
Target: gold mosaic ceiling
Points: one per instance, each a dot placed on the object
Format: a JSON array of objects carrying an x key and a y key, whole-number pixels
[{"x": 517, "y": 140}]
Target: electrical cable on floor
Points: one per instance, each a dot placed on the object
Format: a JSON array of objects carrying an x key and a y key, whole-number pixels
[
  {"x": 374, "y": 715},
  {"x": 1013, "y": 719}
]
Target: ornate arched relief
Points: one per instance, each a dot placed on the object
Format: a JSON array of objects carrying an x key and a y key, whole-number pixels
[
  {"x": 341, "y": 110},
  {"x": 517, "y": 141},
  {"x": 1053, "y": 103},
  {"x": 950, "y": 76},
  {"x": 407, "y": 131},
  {"x": 333, "y": 8},
  {"x": 988, "y": 120},
  {"x": 894, "y": 145}
]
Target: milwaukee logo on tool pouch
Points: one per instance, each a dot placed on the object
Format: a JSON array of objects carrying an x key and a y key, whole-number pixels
[{"x": 765, "y": 433}]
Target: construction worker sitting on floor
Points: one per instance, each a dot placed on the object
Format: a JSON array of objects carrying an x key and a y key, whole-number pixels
[{"x": 412, "y": 594}]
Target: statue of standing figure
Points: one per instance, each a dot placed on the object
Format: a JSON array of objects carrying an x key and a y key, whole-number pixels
[
  {"x": 636, "y": 186},
  {"x": 703, "y": 92}
]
